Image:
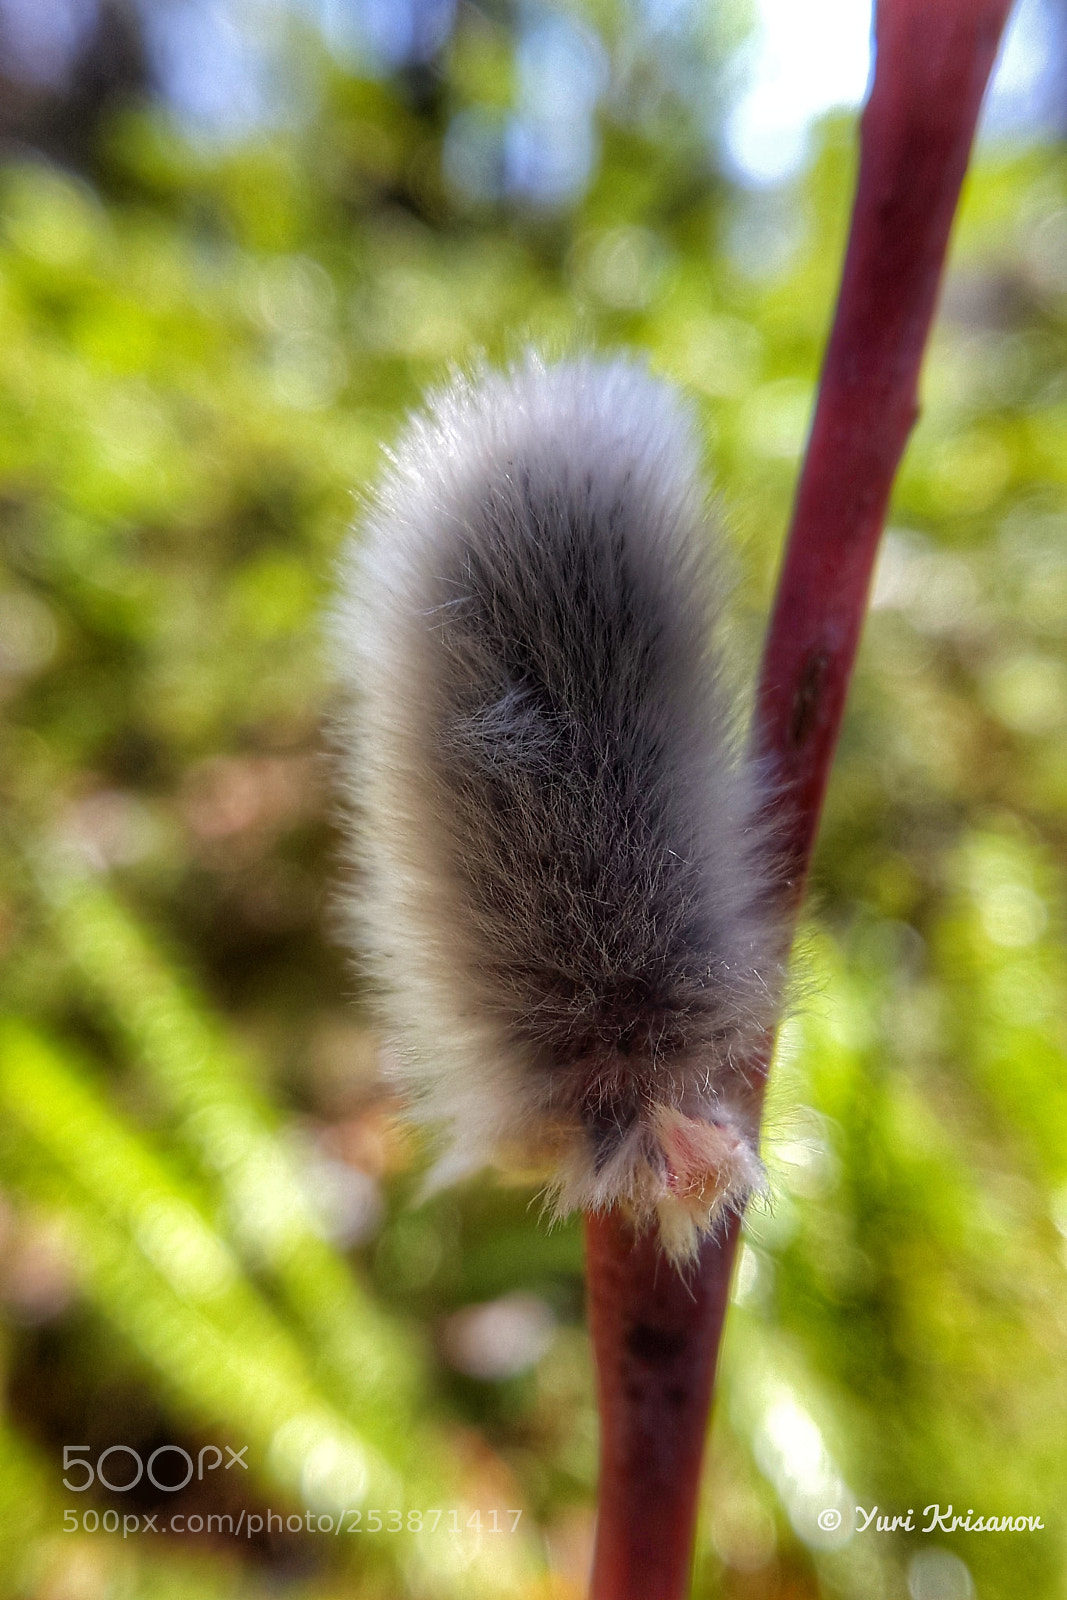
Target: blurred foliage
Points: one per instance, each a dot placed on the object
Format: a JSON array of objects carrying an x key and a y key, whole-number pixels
[{"x": 207, "y": 1227}]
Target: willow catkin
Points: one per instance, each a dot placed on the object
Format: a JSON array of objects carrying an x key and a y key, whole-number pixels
[{"x": 563, "y": 890}]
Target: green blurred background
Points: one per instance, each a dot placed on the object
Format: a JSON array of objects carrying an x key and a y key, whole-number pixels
[{"x": 237, "y": 239}]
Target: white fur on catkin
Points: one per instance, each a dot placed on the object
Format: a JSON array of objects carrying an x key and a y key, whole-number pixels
[{"x": 563, "y": 888}]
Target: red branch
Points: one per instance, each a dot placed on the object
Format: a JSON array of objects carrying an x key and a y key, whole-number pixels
[{"x": 656, "y": 1335}]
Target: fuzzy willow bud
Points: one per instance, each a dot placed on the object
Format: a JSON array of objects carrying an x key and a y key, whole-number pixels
[{"x": 563, "y": 888}]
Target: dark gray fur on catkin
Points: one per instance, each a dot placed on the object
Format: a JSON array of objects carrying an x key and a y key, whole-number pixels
[{"x": 563, "y": 889}]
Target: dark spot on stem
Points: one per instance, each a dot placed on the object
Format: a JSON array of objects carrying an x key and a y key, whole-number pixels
[
  {"x": 658, "y": 1346},
  {"x": 807, "y": 697}
]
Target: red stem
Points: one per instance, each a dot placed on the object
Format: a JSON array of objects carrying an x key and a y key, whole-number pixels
[{"x": 656, "y": 1336}]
